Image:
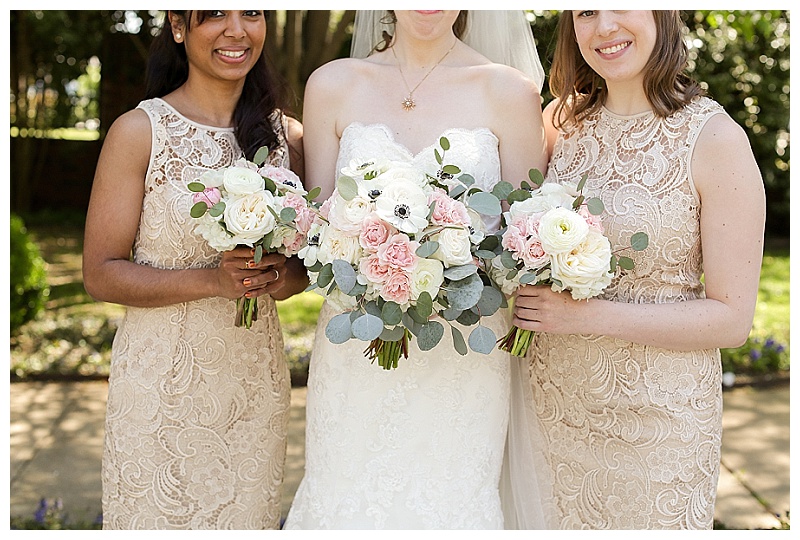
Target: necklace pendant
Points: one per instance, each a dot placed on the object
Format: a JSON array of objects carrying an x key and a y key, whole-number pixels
[{"x": 408, "y": 103}]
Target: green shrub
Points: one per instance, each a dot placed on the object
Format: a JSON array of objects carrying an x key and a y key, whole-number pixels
[
  {"x": 29, "y": 288},
  {"x": 756, "y": 357}
]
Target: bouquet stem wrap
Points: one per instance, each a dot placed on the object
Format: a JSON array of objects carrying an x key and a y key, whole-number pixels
[
  {"x": 387, "y": 353},
  {"x": 516, "y": 341}
]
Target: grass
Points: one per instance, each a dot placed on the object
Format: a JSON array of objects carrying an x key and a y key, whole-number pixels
[{"x": 72, "y": 339}]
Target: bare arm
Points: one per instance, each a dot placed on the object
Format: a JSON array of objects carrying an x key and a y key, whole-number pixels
[
  {"x": 112, "y": 222},
  {"x": 732, "y": 224},
  {"x": 320, "y": 136},
  {"x": 519, "y": 126}
]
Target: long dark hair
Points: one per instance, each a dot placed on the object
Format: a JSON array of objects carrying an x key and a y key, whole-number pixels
[
  {"x": 263, "y": 91},
  {"x": 582, "y": 90}
]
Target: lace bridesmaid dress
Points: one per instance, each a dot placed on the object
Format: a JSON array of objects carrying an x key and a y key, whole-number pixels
[
  {"x": 420, "y": 446},
  {"x": 197, "y": 409},
  {"x": 634, "y": 431}
]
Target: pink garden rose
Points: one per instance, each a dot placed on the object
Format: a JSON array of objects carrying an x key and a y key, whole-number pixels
[
  {"x": 374, "y": 232},
  {"x": 514, "y": 240},
  {"x": 591, "y": 219},
  {"x": 305, "y": 217},
  {"x": 448, "y": 211},
  {"x": 373, "y": 269},
  {"x": 210, "y": 196},
  {"x": 533, "y": 255},
  {"x": 397, "y": 288},
  {"x": 398, "y": 252}
]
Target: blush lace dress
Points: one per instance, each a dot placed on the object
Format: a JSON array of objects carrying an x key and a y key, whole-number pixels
[
  {"x": 195, "y": 434},
  {"x": 633, "y": 431},
  {"x": 420, "y": 446}
]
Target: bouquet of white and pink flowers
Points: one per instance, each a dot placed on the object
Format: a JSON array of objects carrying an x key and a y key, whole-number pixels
[
  {"x": 398, "y": 251},
  {"x": 554, "y": 236},
  {"x": 253, "y": 204}
]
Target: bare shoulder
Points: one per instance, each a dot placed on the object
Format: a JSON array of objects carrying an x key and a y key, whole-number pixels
[
  {"x": 337, "y": 74},
  {"x": 508, "y": 82},
  {"x": 294, "y": 129},
  {"x": 721, "y": 132},
  {"x": 723, "y": 156},
  {"x": 134, "y": 124}
]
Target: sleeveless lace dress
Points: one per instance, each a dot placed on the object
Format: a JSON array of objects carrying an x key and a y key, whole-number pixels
[
  {"x": 634, "y": 431},
  {"x": 195, "y": 434},
  {"x": 420, "y": 446}
]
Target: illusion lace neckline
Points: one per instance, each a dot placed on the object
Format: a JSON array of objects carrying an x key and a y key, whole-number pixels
[
  {"x": 414, "y": 155},
  {"x": 190, "y": 121}
]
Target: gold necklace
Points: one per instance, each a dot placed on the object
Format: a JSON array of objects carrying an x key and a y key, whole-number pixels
[{"x": 408, "y": 103}]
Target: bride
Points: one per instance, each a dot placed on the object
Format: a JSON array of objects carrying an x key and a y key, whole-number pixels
[{"x": 421, "y": 446}]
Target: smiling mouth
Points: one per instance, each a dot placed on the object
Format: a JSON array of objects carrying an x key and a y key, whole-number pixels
[
  {"x": 231, "y": 54},
  {"x": 615, "y": 48}
]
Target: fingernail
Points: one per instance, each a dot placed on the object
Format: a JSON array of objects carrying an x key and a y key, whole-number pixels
[
  {"x": 246, "y": 282},
  {"x": 251, "y": 264}
]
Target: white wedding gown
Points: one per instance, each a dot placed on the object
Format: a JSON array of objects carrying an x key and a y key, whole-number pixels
[{"x": 420, "y": 446}]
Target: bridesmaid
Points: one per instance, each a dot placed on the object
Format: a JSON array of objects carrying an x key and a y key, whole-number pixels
[
  {"x": 628, "y": 386},
  {"x": 197, "y": 408}
]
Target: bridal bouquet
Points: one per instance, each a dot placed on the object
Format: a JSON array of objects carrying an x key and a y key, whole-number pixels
[
  {"x": 554, "y": 236},
  {"x": 399, "y": 252},
  {"x": 249, "y": 203}
]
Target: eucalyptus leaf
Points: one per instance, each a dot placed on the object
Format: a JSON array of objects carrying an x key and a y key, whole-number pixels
[
  {"x": 458, "y": 341},
  {"x": 508, "y": 260},
  {"x": 313, "y": 194},
  {"x": 198, "y": 210},
  {"x": 457, "y": 273},
  {"x": 451, "y": 169},
  {"x": 482, "y": 340},
  {"x": 527, "y": 279},
  {"x": 424, "y": 304},
  {"x": 430, "y": 335},
  {"x": 595, "y": 206},
  {"x": 457, "y": 191},
  {"x": 393, "y": 334},
  {"x": 485, "y": 203},
  {"x": 316, "y": 267},
  {"x": 490, "y": 242},
  {"x": 288, "y": 214},
  {"x": 502, "y": 190},
  {"x": 367, "y": 327},
  {"x": 582, "y": 181},
  {"x": 626, "y": 263},
  {"x": 512, "y": 274},
  {"x": 325, "y": 275},
  {"x": 491, "y": 300},
  {"x": 468, "y": 317},
  {"x": 217, "y": 210},
  {"x": 640, "y": 241},
  {"x": 518, "y": 195},
  {"x": 391, "y": 313},
  {"x": 339, "y": 328},
  {"x": 427, "y": 248},
  {"x": 444, "y": 143},
  {"x": 347, "y": 187},
  {"x": 269, "y": 185},
  {"x": 438, "y": 156},
  {"x": 372, "y": 308},
  {"x": 536, "y": 176},
  {"x": 357, "y": 290},
  {"x": 450, "y": 314},
  {"x": 261, "y": 155},
  {"x": 467, "y": 179},
  {"x": 196, "y": 187},
  {"x": 485, "y": 254},
  {"x": 344, "y": 274},
  {"x": 613, "y": 265},
  {"x": 412, "y": 325}
]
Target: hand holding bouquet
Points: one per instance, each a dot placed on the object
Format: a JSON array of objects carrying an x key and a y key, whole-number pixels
[
  {"x": 398, "y": 251},
  {"x": 252, "y": 204},
  {"x": 554, "y": 236}
]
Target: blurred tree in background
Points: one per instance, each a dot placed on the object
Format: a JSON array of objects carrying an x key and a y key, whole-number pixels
[{"x": 82, "y": 69}]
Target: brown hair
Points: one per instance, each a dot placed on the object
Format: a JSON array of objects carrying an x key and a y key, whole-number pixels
[
  {"x": 459, "y": 27},
  {"x": 582, "y": 91}
]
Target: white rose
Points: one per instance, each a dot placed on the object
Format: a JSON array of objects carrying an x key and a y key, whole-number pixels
[
  {"x": 216, "y": 236},
  {"x": 242, "y": 181},
  {"x": 403, "y": 204},
  {"x": 561, "y": 230},
  {"x": 248, "y": 217},
  {"x": 337, "y": 299},
  {"x": 427, "y": 276},
  {"x": 454, "y": 247},
  {"x": 403, "y": 172},
  {"x": 586, "y": 270},
  {"x": 348, "y": 215},
  {"x": 336, "y": 244},
  {"x": 212, "y": 178}
]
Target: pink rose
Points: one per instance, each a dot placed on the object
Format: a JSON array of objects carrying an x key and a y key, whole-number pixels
[
  {"x": 398, "y": 252},
  {"x": 374, "y": 269},
  {"x": 293, "y": 243},
  {"x": 325, "y": 209},
  {"x": 533, "y": 254},
  {"x": 397, "y": 288},
  {"x": 513, "y": 241},
  {"x": 448, "y": 211},
  {"x": 304, "y": 217},
  {"x": 374, "y": 232},
  {"x": 210, "y": 196},
  {"x": 591, "y": 219}
]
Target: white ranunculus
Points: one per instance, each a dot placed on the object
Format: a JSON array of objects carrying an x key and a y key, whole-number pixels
[
  {"x": 216, "y": 236},
  {"x": 242, "y": 181},
  {"x": 335, "y": 244},
  {"x": 428, "y": 276},
  {"x": 403, "y": 204},
  {"x": 561, "y": 230},
  {"x": 248, "y": 217},
  {"x": 586, "y": 270},
  {"x": 212, "y": 178},
  {"x": 348, "y": 215},
  {"x": 454, "y": 247}
]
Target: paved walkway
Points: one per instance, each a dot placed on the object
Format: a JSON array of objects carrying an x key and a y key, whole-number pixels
[{"x": 56, "y": 438}]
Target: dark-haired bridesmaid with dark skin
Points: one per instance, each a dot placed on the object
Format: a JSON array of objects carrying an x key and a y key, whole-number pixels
[{"x": 197, "y": 408}]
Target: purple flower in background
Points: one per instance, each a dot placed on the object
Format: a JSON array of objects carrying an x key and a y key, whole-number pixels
[
  {"x": 755, "y": 354},
  {"x": 41, "y": 511},
  {"x": 769, "y": 343}
]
